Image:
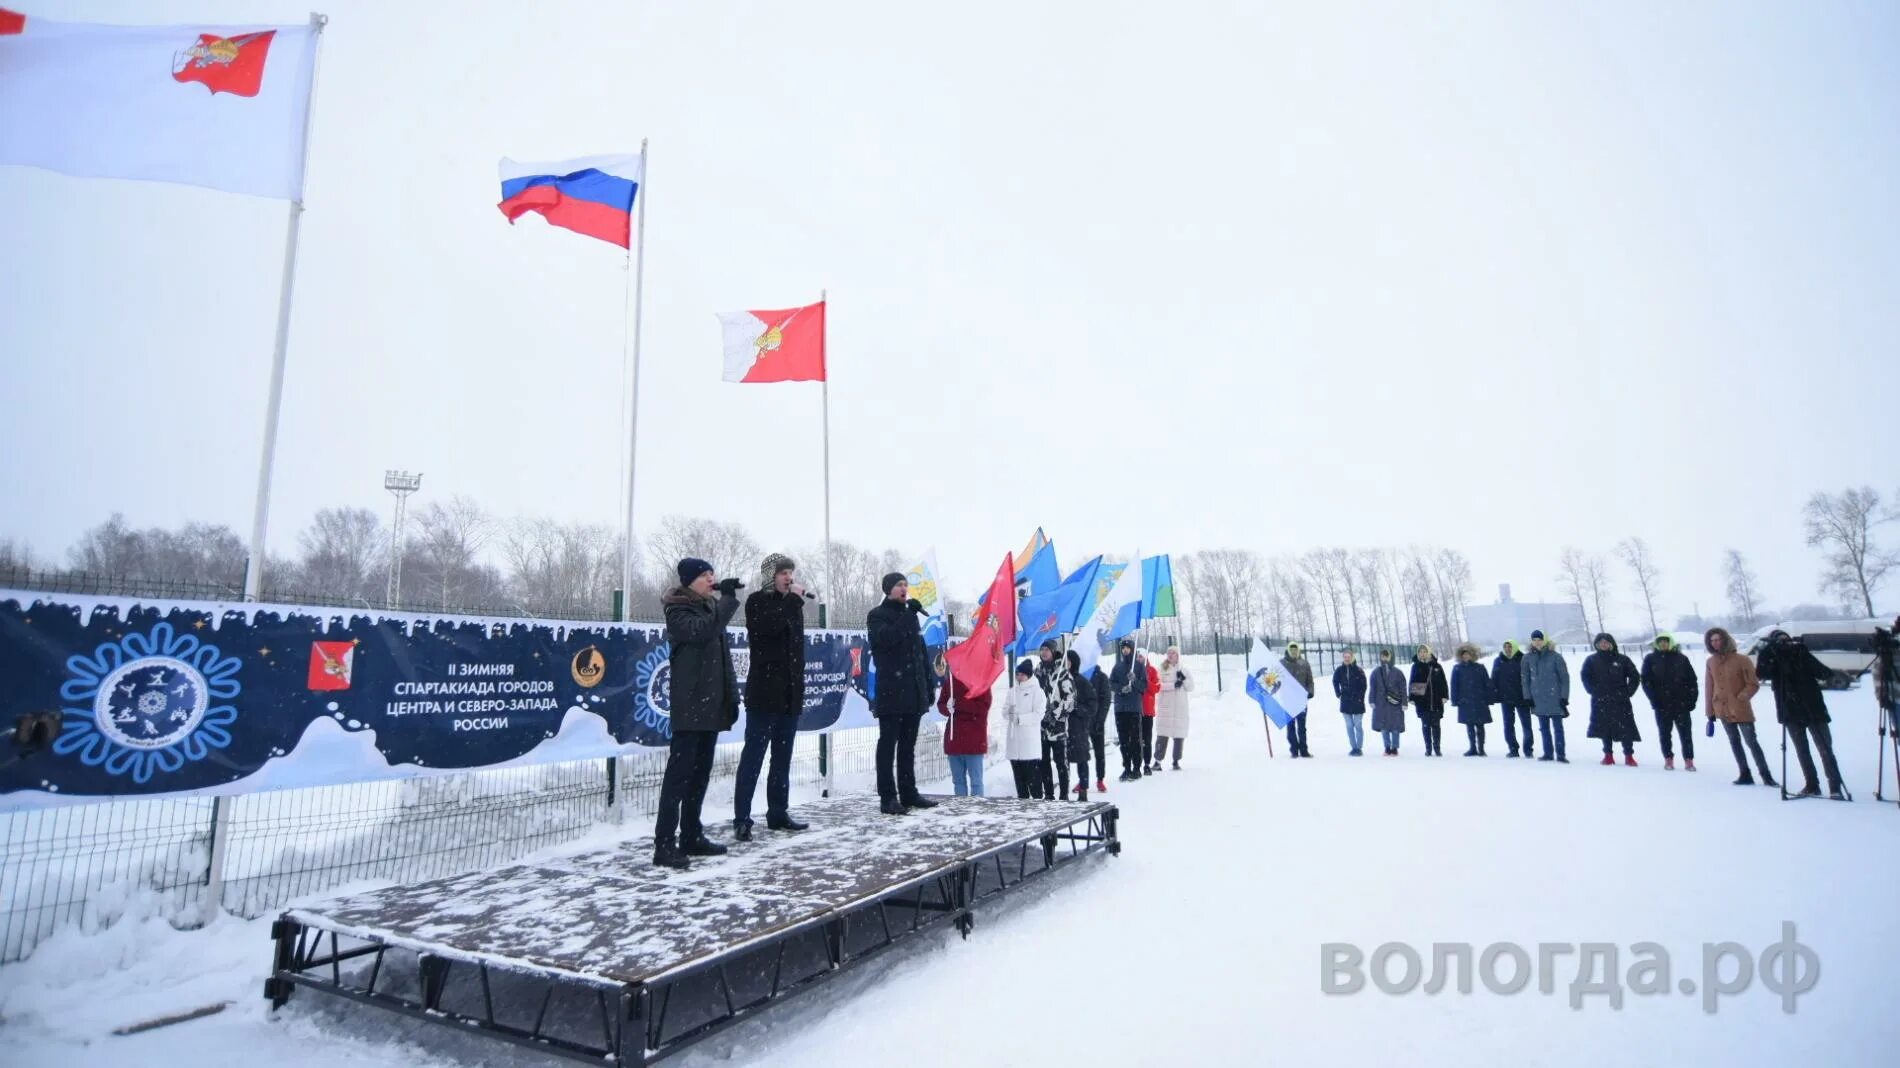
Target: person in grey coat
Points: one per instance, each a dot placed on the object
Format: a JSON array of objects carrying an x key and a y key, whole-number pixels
[
  {"x": 1296, "y": 665},
  {"x": 1388, "y": 694},
  {"x": 1547, "y": 688}
]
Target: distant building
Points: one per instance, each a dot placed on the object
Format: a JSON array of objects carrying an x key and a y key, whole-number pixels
[{"x": 1489, "y": 625}]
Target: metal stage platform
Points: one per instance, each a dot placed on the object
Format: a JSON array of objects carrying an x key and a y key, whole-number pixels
[{"x": 602, "y": 956}]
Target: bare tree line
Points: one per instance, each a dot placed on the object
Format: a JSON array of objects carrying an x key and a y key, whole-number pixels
[{"x": 1371, "y": 596}]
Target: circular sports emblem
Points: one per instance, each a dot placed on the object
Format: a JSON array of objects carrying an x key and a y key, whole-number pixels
[
  {"x": 589, "y": 668},
  {"x": 652, "y": 684},
  {"x": 147, "y": 703}
]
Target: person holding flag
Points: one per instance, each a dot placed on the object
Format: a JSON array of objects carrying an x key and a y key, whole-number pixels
[
  {"x": 1128, "y": 681},
  {"x": 1275, "y": 689},
  {"x": 1296, "y": 665}
]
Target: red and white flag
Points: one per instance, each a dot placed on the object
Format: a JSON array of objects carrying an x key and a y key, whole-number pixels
[
  {"x": 216, "y": 106},
  {"x": 775, "y": 346}
]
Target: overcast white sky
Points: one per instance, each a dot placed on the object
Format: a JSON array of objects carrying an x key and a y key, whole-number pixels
[{"x": 1499, "y": 277}]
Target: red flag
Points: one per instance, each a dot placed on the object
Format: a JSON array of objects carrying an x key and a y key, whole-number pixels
[
  {"x": 12, "y": 21},
  {"x": 775, "y": 346},
  {"x": 232, "y": 65},
  {"x": 980, "y": 659},
  {"x": 331, "y": 664}
]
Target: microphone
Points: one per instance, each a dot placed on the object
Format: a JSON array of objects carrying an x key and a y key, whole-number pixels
[{"x": 810, "y": 596}]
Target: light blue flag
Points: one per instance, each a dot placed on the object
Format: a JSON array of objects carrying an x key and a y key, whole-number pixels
[
  {"x": 1273, "y": 688},
  {"x": 1058, "y": 612},
  {"x": 1041, "y": 575}
]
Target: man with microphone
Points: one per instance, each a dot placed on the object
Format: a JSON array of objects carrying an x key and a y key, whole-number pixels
[
  {"x": 704, "y": 700},
  {"x": 774, "y": 694}
]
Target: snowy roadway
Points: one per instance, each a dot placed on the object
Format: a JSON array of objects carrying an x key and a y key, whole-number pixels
[{"x": 1201, "y": 943}]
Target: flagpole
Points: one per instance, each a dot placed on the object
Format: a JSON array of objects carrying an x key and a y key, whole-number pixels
[
  {"x": 637, "y": 261},
  {"x": 273, "y": 407},
  {"x": 831, "y": 575}
]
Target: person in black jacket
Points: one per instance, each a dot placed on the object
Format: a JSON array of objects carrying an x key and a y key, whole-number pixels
[
  {"x": 1080, "y": 722},
  {"x": 1059, "y": 688},
  {"x": 774, "y": 695},
  {"x": 1507, "y": 679},
  {"x": 1430, "y": 690},
  {"x": 703, "y": 699},
  {"x": 1128, "y": 682},
  {"x": 1349, "y": 685},
  {"x": 903, "y": 694},
  {"x": 1098, "y": 727},
  {"x": 1611, "y": 679},
  {"x": 1796, "y": 676},
  {"x": 1670, "y": 684}
]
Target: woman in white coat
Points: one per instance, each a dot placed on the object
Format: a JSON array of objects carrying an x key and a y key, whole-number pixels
[
  {"x": 1171, "y": 707},
  {"x": 1023, "y": 709}
]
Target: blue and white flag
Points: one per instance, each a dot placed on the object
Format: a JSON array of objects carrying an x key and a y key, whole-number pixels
[
  {"x": 1053, "y": 614},
  {"x": 1118, "y": 613},
  {"x": 922, "y": 579},
  {"x": 1273, "y": 688}
]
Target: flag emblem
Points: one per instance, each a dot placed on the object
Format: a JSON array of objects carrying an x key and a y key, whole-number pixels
[
  {"x": 787, "y": 345},
  {"x": 232, "y": 65},
  {"x": 331, "y": 664}
]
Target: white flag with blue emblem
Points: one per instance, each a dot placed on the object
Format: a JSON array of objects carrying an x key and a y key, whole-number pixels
[{"x": 1273, "y": 687}]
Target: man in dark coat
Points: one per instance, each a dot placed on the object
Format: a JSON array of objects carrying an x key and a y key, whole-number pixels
[
  {"x": 1128, "y": 682},
  {"x": 1098, "y": 727},
  {"x": 1507, "y": 679},
  {"x": 1349, "y": 685},
  {"x": 1081, "y": 719},
  {"x": 1296, "y": 665},
  {"x": 1611, "y": 679},
  {"x": 1670, "y": 684},
  {"x": 1796, "y": 675},
  {"x": 903, "y": 694},
  {"x": 774, "y": 695},
  {"x": 703, "y": 699}
]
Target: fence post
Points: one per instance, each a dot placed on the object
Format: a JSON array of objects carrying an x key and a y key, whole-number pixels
[
  {"x": 1219, "y": 686},
  {"x": 220, "y": 844}
]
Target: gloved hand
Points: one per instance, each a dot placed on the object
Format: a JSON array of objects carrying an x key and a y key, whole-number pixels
[
  {"x": 1180, "y": 679},
  {"x": 729, "y": 585},
  {"x": 915, "y": 605}
]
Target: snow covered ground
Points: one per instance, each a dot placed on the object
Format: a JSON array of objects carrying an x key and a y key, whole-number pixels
[{"x": 1201, "y": 943}]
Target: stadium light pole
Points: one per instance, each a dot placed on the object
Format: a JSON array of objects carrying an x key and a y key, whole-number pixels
[{"x": 400, "y": 484}]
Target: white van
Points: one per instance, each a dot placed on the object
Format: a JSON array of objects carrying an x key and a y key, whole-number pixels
[{"x": 1844, "y": 645}]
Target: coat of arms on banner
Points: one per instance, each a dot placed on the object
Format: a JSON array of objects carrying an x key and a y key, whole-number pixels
[{"x": 330, "y": 665}]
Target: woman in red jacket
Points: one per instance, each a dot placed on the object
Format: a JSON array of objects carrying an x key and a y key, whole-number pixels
[
  {"x": 1149, "y": 765},
  {"x": 966, "y": 738}
]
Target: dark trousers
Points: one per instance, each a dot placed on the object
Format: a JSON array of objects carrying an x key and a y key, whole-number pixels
[
  {"x": 1679, "y": 721},
  {"x": 1824, "y": 741},
  {"x": 777, "y": 732},
  {"x": 1296, "y": 735},
  {"x": 1128, "y": 738},
  {"x": 897, "y": 757},
  {"x": 1514, "y": 715},
  {"x": 1098, "y": 734},
  {"x": 1028, "y": 774},
  {"x": 1745, "y": 732},
  {"x": 1147, "y": 739},
  {"x": 1474, "y": 733},
  {"x": 1629, "y": 747},
  {"x": 689, "y": 764},
  {"x": 1082, "y": 775},
  {"x": 1544, "y": 725},
  {"x": 1055, "y": 761},
  {"x": 1434, "y": 733}
]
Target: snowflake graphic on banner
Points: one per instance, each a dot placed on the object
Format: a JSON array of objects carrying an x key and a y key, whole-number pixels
[
  {"x": 652, "y": 697},
  {"x": 148, "y": 703}
]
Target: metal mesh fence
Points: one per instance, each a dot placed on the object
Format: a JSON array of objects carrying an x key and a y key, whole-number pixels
[{"x": 88, "y": 864}]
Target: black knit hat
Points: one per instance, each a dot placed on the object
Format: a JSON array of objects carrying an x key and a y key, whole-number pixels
[
  {"x": 1026, "y": 667},
  {"x": 691, "y": 568},
  {"x": 891, "y": 580}
]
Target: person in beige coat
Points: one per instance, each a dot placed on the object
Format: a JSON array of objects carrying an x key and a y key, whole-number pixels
[
  {"x": 1728, "y": 685},
  {"x": 1171, "y": 706}
]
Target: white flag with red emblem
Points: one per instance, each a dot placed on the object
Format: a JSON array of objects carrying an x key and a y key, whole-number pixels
[
  {"x": 775, "y": 346},
  {"x": 216, "y": 106}
]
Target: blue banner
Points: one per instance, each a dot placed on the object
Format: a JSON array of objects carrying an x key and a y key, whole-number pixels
[{"x": 177, "y": 698}]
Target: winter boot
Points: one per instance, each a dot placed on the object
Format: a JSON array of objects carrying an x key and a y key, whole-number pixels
[
  {"x": 1177, "y": 765},
  {"x": 1546, "y": 758},
  {"x": 1768, "y": 780},
  {"x": 666, "y": 854},
  {"x": 893, "y": 808},
  {"x": 703, "y": 846},
  {"x": 1101, "y": 786},
  {"x": 1687, "y": 764},
  {"x": 1562, "y": 759},
  {"x": 1608, "y": 760},
  {"x": 1629, "y": 759},
  {"x": 1812, "y": 789},
  {"x": 918, "y": 801},
  {"x": 1836, "y": 792},
  {"x": 742, "y": 830},
  {"x": 1669, "y": 763},
  {"x": 786, "y": 823},
  {"x": 1745, "y": 779}
]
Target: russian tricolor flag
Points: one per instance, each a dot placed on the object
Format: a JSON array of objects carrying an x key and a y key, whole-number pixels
[{"x": 592, "y": 195}]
